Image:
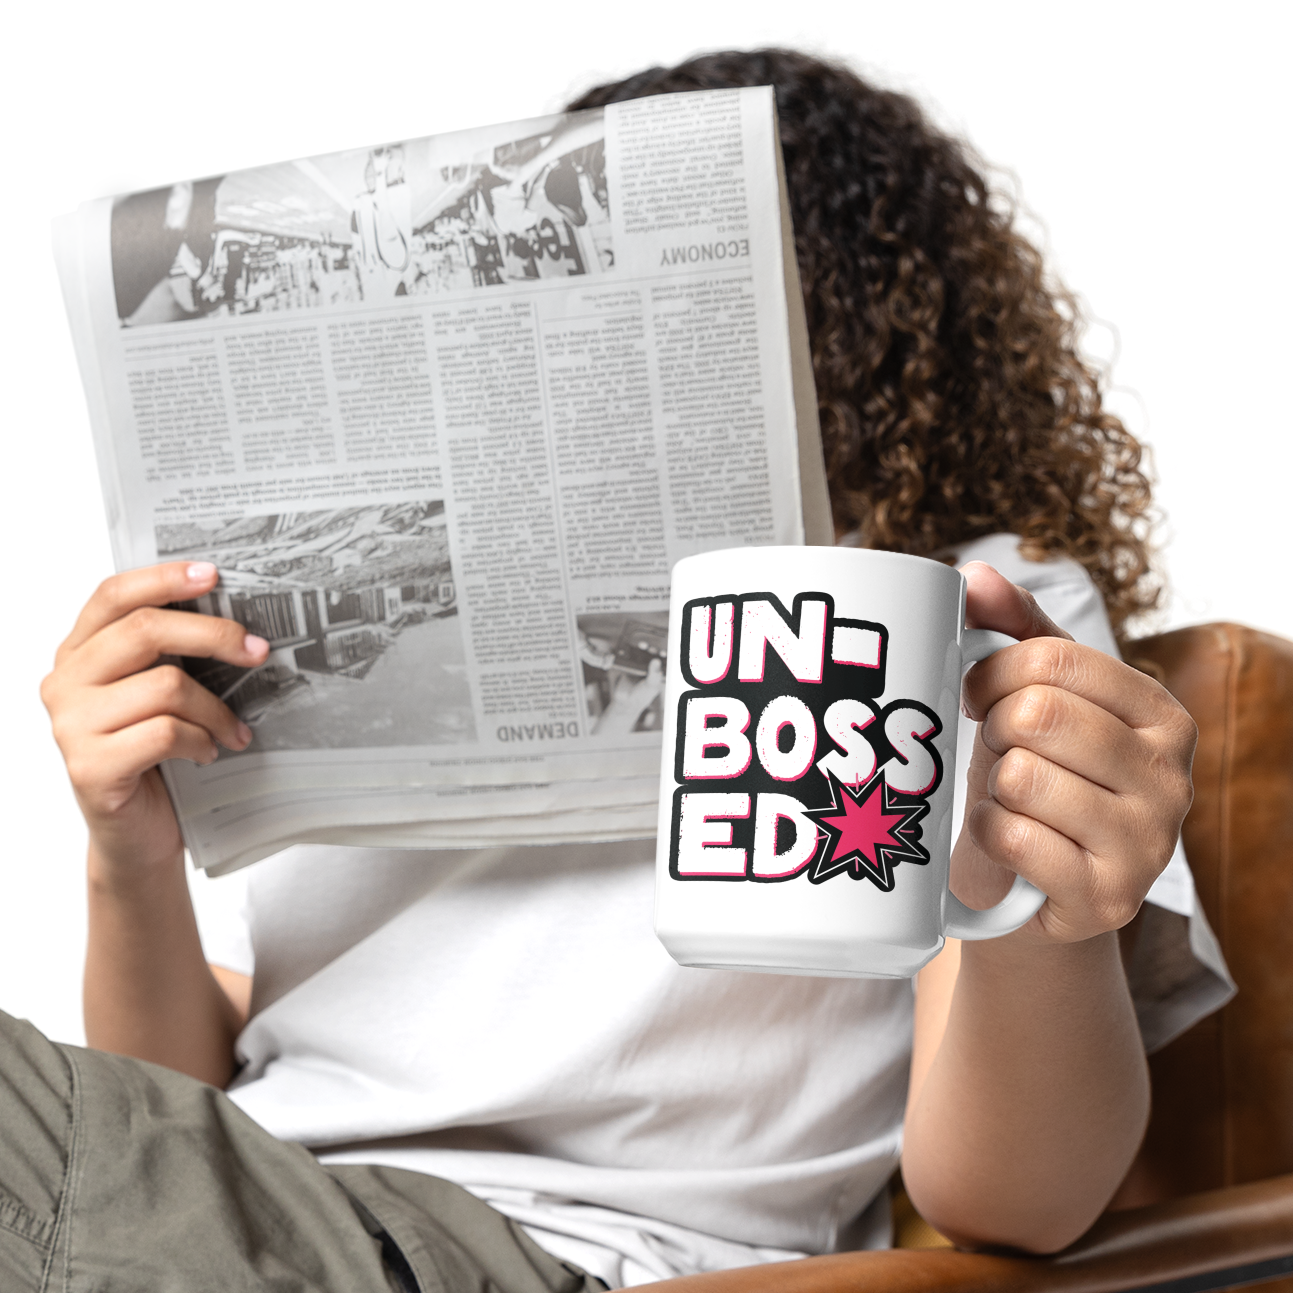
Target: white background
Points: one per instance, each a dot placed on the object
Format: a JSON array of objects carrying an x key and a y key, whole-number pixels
[{"x": 1149, "y": 140}]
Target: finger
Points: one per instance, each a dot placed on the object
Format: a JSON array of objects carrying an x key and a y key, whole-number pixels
[
  {"x": 143, "y": 636},
  {"x": 1109, "y": 827},
  {"x": 146, "y": 744},
  {"x": 172, "y": 581},
  {"x": 1081, "y": 898},
  {"x": 1126, "y": 693},
  {"x": 1071, "y": 731},
  {"x": 107, "y": 764},
  {"x": 167, "y": 689},
  {"x": 993, "y": 602}
]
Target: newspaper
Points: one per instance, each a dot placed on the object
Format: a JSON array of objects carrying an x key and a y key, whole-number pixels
[{"x": 444, "y": 413}]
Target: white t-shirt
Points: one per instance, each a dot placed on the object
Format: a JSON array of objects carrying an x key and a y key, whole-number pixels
[{"x": 506, "y": 1019}]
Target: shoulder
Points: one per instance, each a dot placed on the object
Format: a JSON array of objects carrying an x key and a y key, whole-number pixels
[
  {"x": 1062, "y": 587},
  {"x": 1001, "y": 552}
]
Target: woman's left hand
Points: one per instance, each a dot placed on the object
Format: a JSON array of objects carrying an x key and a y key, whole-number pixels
[{"x": 1080, "y": 777}]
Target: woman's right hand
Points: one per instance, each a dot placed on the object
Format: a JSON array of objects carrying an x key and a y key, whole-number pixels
[{"x": 117, "y": 713}]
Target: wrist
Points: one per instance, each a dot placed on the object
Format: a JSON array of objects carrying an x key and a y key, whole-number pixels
[
  {"x": 1028, "y": 956},
  {"x": 114, "y": 868},
  {"x": 134, "y": 841}
]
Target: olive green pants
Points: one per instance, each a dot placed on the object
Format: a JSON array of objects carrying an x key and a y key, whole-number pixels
[{"x": 116, "y": 1176}]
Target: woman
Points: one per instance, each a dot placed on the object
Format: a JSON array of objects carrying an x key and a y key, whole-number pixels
[{"x": 504, "y": 1018}]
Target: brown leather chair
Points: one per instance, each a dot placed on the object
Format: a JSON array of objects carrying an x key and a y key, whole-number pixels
[{"x": 1213, "y": 1184}]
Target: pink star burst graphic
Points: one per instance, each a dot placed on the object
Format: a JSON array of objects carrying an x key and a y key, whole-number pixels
[{"x": 868, "y": 830}]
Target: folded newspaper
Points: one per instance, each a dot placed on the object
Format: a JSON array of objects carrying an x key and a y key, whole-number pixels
[{"x": 444, "y": 413}]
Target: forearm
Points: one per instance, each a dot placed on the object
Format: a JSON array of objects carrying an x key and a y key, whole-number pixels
[
  {"x": 148, "y": 990},
  {"x": 1026, "y": 1118},
  {"x": 120, "y": 707}
]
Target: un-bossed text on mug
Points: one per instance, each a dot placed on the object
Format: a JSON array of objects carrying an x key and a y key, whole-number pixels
[{"x": 809, "y": 744}]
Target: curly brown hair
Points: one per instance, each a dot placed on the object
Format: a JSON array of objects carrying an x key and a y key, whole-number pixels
[{"x": 954, "y": 401}]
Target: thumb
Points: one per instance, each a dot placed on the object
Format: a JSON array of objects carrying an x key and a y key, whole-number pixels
[{"x": 993, "y": 602}]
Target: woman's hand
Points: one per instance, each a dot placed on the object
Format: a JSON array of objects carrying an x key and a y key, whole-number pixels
[
  {"x": 117, "y": 712},
  {"x": 1080, "y": 777}
]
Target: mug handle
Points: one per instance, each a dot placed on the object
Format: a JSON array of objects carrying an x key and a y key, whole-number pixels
[{"x": 1024, "y": 900}]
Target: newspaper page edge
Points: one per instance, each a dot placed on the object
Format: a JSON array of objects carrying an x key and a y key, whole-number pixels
[
  {"x": 69, "y": 232},
  {"x": 815, "y": 499}
]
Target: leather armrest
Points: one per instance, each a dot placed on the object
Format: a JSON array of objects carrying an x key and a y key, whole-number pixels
[{"x": 1203, "y": 1241}]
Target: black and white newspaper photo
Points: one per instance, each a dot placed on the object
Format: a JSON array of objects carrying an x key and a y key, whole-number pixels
[
  {"x": 360, "y": 611},
  {"x": 444, "y": 412},
  {"x": 367, "y": 226}
]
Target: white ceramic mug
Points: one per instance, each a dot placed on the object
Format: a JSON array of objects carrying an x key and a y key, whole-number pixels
[{"x": 811, "y": 707}]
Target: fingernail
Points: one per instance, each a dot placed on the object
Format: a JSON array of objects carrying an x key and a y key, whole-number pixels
[
  {"x": 255, "y": 645},
  {"x": 200, "y": 571},
  {"x": 244, "y": 733}
]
